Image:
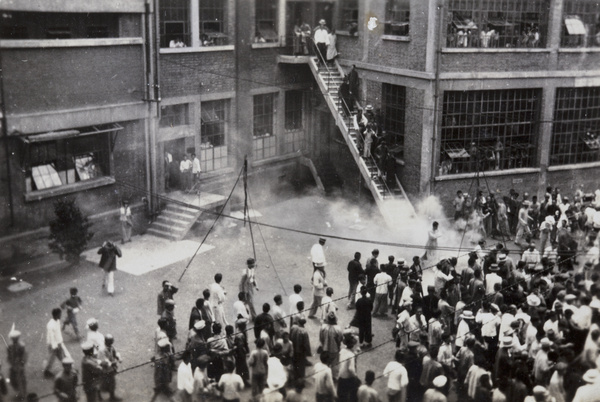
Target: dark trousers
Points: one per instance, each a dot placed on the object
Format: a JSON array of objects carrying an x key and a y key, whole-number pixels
[{"x": 322, "y": 52}]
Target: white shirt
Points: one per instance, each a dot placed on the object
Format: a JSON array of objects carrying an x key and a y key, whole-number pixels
[
  {"x": 185, "y": 378},
  {"x": 397, "y": 376},
  {"x": 294, "y": 299},
  {"x": 217, "y": 294},
  {"x": 97, "y": 339},
  {"x": 532, "y": 258},
  {"x": 321, "y": 35},
  {"x": 490, "y": 280},
  {"x": 317, "y": 255},
  {"x": 53, "y": 335},
  {"x": 196, "y": 166},
  {"x": 381, "y": 280},
  {"x": 185, "y": 165},
  {"x": 240, "y": 309},
  {"x": 406, "y": 298},
  {"x": 489, "y": 323},
  {"x": 461, "y": 333}
]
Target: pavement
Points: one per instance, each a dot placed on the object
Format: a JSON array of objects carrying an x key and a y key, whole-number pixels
[{"x": 282, "y": 261}]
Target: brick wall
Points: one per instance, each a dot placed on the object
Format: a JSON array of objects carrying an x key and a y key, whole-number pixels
[
  {"x": 570, "y": 180},
  {"x": 410, "y": 174},
  {"x": 466, "y": 62},
  {"x": 349, "y": 47},
  {"x": 578, "y": 61},
  {"x": 63, "y": 78}
]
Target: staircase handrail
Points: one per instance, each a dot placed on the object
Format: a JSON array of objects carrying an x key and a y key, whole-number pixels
[{"x": 325, "y": 63}]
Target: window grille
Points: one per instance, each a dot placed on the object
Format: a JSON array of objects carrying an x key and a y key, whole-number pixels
[
  {"x": 294, "y": 136},
  {"x": 489, "y": 130},
  {"x": 581, "y": 23},
  {"x": 266, "y": 21},
  {"x": 213, "y": 28},
  {"x": 265, "y": 144},
  {"x": 393, "y": 104},
  {"x": 576, "y": 127},
  {"x": 497, "y": 23},
  {"x": 349, "y": 16},
  {"x": 215, "y": 119},
  {"x": 397, "y": 17},
  {"x": 174, "y": 22},
  {"x": 174, "y": 115}
]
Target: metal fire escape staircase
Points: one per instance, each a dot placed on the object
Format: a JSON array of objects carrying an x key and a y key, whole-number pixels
[{"x": 389, "y": 200}]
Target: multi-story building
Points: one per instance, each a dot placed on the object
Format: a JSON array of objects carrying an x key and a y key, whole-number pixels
[{"x": 507, "y": 91}]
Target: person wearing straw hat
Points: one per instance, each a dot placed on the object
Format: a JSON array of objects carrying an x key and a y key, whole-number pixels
[
  {"x": 542, "y": 365},
  {"x": 65, "y": 383},
  {"x": 590, "y": 391},
  {"x": 504, "y": 359},
  {"x": 163, "y": 368},
  {"x": 464, "y": 327},
  {"x": 437, "y": 393},
  {"x": 317, "y": 254},
  {"x": 17, "y": 359},
  {"x": 330, "y": 338},
  {"x": 94, "y": 336},
  {"x": 248, "y": 285},
  {"x": 321, "y": 38},
  {"x": 92, "y": 372}
]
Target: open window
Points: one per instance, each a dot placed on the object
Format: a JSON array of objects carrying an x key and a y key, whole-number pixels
[
  {"x": 397, "y": 17},
  {"x": 581, "y": 24},
  {"x": 62, "y": 158},
  {"x": 266, "y": 21}
]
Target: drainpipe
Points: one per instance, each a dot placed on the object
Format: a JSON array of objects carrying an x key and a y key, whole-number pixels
[
  {"x": 436, "y": 93},
  {"x": 6, "y": 143}
]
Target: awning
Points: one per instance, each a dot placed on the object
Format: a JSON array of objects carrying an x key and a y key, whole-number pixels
[
  {"x": 575, "y": 26},
  {"x": 59, "y": 135}
]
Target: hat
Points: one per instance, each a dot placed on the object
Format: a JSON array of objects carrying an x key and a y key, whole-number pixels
[
  {"x": 550, "y": 219},
  {"x": 561, "y": 366},
  {"x": 507, "y": 342},
  {"x": 591, "y": 376},
  {"x": 494, "y": 306},
  {"x": 109, "y": 337},
  {"x": 533, "y": 300},
  {"x": 494, "y": 267},
  {"x": 92, "y": 321},
  {"x": 401, "y": 261},
  {"x": 250, "y": 262},
  {"x": 595, "y": 304},
  {"x": 413, "y": 344},
  {"x": 14, "y": 334},
  {"x": 570, "y": 296},
  {"x": 440, "y": 381},
  {"x": 200, "y": 324},
  {"x": 87, "y": 345},
  {"x": 369, "y": 107},
  {"x": 526, "y": 203},
  {"x": 163, "y": 342},
  {"x": 501, "y": 257},
  {"x": 322, "y": 240},
  {"x": 67, "y": 360},
  {"x": 169, "y": 302},
  {"x": 545, "y": 342},
  {"x": 322, "y": 21},
  {"x": 539, "y": 391},
  {"x": 467, "y": 315}
]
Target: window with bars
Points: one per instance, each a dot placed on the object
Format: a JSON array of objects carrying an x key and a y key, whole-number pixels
[
  {"x": 349, "y": 16},
  {"x": 397, "y": 17},
  {"x": 265, "y": 144},
  {"x": 214, "y": 119},
  {"x": 581, "y": 23},
  {"x": 576, "y": 127},
  {"x": 175, "y": 23},
  {"x": 213, "y": 26},
  {"x": 174, "y": 115},
  {"x": 489, "y": 130},
  {"x": 497, "y": 23},
  {"x": 266, "y": 21},
  {"x": 393, "y": 100},
  {"x": 66, "y": 161}
]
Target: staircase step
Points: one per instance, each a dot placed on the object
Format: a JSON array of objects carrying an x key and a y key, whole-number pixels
[
  {"x": 168, "y": 227},
  {"x": 177, "y": 214},
  {"x": 182, "y": 208},
  {"x": 172, "y": 219},
  {"x": 162, "y": 234}
]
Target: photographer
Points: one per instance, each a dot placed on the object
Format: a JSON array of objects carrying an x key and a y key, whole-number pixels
[{"x": 167, "y": 292}]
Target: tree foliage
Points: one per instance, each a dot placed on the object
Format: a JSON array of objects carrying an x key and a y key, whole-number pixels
[{"x": 69, "y": 232}]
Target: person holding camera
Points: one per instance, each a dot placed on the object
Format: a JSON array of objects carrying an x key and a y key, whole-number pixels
[
  {"x": 167, "y": 292},
  {"x": 108, "y": 262}
]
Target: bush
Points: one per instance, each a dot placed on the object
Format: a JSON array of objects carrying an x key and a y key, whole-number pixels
[{"x": 69, "y": 232}]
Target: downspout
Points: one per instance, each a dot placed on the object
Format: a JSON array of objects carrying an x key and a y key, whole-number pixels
[
  {"x": 147, "y": 79},
  {"x": 154, "y": 40},
  {"x": 436, "y": 94},
  {"x": 6, "y": 143}
]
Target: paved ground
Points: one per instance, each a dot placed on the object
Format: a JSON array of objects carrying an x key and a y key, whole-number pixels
[{"x": 283, "y": 260}]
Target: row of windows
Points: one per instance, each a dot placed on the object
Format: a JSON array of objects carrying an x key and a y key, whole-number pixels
[
  {"x": 33, "y": 25},
  {"x": 519, "y": 23},
  {"x": 499, "y": 129}
]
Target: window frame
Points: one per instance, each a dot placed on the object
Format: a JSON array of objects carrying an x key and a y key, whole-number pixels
[
  {"x": 179, "y": 13},
  {"x": 395, "y": 127},
  {"x": 214, "y": 117},
  {"x": 588, "y": 14},
  {"x": 392, "y": 18},
  {"x": 261, "y": 6},
  {"x": 179, "y": 112},
  {"x": 264, "y": 109},
  {"x": 500, "y": 126},
  {"x": 576, "y": 126},
  {"x": 348, "y": 21}
]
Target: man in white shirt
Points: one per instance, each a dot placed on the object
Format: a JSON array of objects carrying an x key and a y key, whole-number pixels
[
  {"x": 196, "y": 169},
  {"x": 381, "y": 282},
  {"x": 217, "y": 297},
  {"x": 185, "y": 168},
  {"x": 239, "y": 307},
  {"x": 321, "y": 37},
  {"x": 54, "y": 340},
  {"x": 397, "y": 377},
  {"x": 491, "y": 279},
  {"x": 317, "y": 254},
  {"x": 531, "y": 256},
  {"x": 94, "y": 336}
]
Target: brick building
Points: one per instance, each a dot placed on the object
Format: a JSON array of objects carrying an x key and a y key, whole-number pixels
[{"x": 96, "y": 95}]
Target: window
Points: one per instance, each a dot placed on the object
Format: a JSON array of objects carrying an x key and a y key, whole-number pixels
[
  {"x": 497, "y": 23},
  {"x": 393, "y": 105},
  {"x": 264, "y": 119},
  {"x": 213, "y": 28},
  {"x": 293, "y": 110},
  {"x": 174, "y": 115},
  {"x": 67, "y": 157},
  {"x": 266, "y": 21},
  {"x": 489, "y": 130},
  {"x": 175, "y": 23},
  {"x": 39, "y": 25},
  {"x": 581, "y": 23},
  {"x": 576, "y": 128},
  {"x": 349, "y": 17},
  {"x": 213, "y": 147},
  {"x": 397, "y": 17}
]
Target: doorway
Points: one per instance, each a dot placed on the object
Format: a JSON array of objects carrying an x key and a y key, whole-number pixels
[{"x": 177, "y": 150}]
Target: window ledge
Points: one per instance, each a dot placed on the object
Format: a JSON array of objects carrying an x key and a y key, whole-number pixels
[
  {"x": 573, "y": 166},
  {"x": 490, "y": 173},
  {"x": 50, "y": 43},
  {"x": 495, "y": 50},
  {"x": 265, "y": 45},
  {"x": 346, "y": 33},
  {"x": 396, "y": 38},
  {"x": 168, "y": 50},
  {"x": 579, "y": 50},
  {"x": 39, "y": 195}
]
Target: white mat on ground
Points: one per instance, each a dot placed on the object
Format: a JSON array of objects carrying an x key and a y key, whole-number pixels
[{"x": 148, "y": 253}]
